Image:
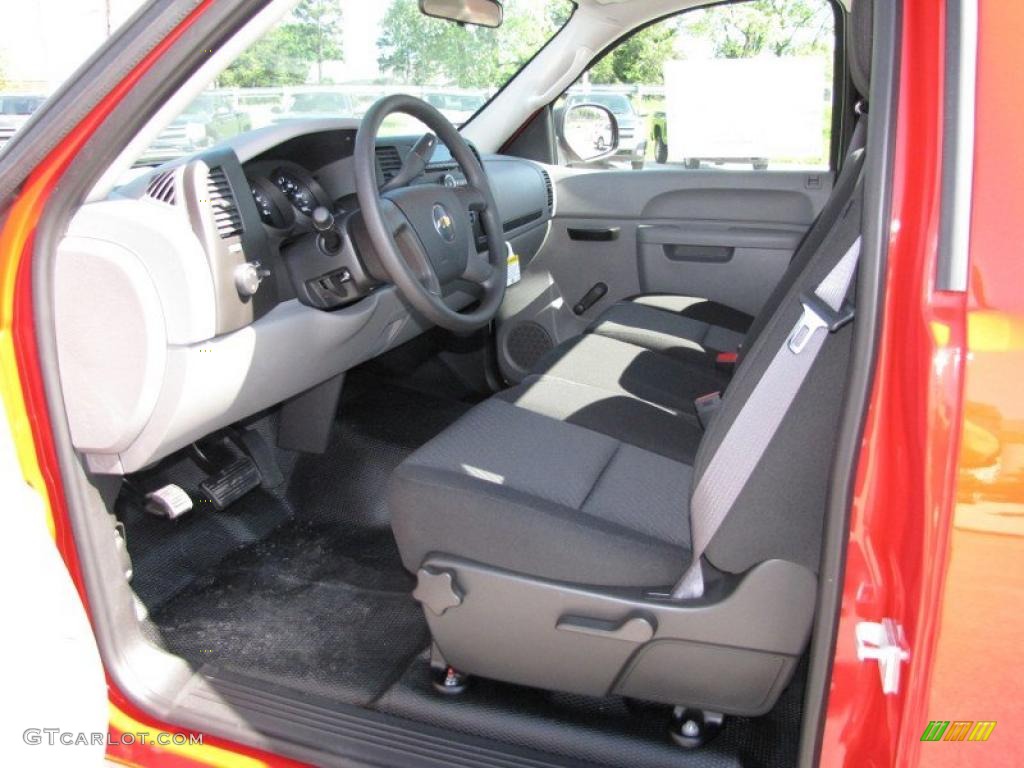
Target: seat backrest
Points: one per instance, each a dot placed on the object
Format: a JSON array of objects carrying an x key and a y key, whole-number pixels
[{"x": 779, "y": 512}]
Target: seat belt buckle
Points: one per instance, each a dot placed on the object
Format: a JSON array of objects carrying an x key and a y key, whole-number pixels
[
  {"x": 706, "y": 407},
  {"x": 817, "y": 314},
  {"x": 726, "y": 361}
]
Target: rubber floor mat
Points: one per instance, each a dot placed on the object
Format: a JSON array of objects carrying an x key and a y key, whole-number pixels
[{"x": 325, "y": 610}]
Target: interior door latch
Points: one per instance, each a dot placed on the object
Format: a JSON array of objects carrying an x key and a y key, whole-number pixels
[{"x": 884, "y": 642}]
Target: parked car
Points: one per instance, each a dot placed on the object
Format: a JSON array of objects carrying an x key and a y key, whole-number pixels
[
  {"x": 457, "y": 106},
  {"x": 316, "y": 103},
  {"x": 208, "y": 119},
  {"x": 15, "y": 110}
]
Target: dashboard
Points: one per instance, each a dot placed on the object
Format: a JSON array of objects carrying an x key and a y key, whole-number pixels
[{"x": 201, "y": 293}]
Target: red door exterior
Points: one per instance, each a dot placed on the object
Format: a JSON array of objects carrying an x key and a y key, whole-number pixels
[{"x": 937, "y": 540}]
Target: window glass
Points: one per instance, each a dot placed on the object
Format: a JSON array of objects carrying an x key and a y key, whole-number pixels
[
  {"x": 734, "y": 86},
  {"x": 335, "y": 58},
  {"x": 41, "y": 43}
]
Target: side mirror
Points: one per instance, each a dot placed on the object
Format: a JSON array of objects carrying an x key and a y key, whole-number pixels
[
  {"x": 482, "y": 13},
  {"x": 588, "y": 132}
]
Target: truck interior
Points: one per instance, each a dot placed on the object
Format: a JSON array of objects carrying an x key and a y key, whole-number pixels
[{"x": 349, "y": 490}]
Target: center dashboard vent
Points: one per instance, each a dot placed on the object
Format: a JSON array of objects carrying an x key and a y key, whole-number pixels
[
  {"x": 225, "y": 208},
  {"x": 389, "y": 161}
]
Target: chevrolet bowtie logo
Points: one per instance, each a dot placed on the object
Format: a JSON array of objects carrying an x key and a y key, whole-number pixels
[{"x": 443, "y": 224}]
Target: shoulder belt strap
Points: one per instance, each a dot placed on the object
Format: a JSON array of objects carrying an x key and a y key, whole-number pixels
[{"x": 824, "y": 310}]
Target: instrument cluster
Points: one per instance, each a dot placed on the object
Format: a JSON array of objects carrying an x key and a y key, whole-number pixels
[{"x": 287, "y": 194}]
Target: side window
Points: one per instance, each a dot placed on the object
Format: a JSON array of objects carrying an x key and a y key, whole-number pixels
[{"x": 734, "y": 86}]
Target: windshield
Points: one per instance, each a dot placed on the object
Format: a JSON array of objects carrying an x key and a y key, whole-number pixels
[{"x": 335, "y": 58}]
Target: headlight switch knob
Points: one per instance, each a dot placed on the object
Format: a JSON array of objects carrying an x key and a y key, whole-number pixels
[{"x": 248, "y": 277}]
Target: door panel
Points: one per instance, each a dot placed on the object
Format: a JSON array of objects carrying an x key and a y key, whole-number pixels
[{"x": 726, "y": 236}]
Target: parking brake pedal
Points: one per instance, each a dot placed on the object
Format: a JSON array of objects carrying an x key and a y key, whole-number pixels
[
  {"x": 171, "y": 502},
  {"x": 228, "y": 485}
]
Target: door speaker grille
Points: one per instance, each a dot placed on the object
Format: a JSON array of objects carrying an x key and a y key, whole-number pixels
[{"x": 527, "y": 343}]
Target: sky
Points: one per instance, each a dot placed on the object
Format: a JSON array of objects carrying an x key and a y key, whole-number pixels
[{"x": 43, "y": 41}]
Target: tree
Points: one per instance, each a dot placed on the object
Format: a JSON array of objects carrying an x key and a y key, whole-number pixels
[
  {"x": 312, "y": 35},
  {"x": 422, "y": 50},
  {"x": 276, "y": 59},
  {"x": 640, "y": 58},
  {"x": 780, "y": 27},
  {"x": 319, "y": 23}
]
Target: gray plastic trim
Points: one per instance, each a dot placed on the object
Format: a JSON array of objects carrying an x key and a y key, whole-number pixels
[{"x": 732, "y": 651}]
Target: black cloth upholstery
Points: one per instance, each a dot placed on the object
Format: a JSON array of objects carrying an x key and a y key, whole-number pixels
[
  {"x": 590, "y": 482},
  {"x": 584, "y": 472},
  {"x": 629, "y": 419},
  {"x": 620, "y": 368},
  {"x": 689, "y": 328},
  {"x": 517, "y": 485},
  {"x": 521, "y": 491}
]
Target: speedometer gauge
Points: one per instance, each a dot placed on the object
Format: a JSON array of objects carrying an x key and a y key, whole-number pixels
[
  {"x": 297, "y": 192},
  {"x": 301, "y": 189},
  {"x": 273, "y": 206},
  {"x": 263, "y": 204}
]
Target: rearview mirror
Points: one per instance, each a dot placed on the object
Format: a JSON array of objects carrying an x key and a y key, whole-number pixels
[
  {"x": 588, "y": 132},
  {"x": 482, "y": 13}
]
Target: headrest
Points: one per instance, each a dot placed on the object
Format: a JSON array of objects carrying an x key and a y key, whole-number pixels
[{"x": 860, "y": 45}]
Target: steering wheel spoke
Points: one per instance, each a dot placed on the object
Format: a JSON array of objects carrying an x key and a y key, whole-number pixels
[
  {"x": 473, "y": 198},
  {"x": 479, "y": 270},
  {"x": 394, "y": 219},
  {"x": 411, "y": 247}
]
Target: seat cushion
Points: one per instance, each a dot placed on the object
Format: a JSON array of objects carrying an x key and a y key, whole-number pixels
[
  {"x": 620, "y": 368},
  {"x": 642, "y": 424},
  {"x": 515, "y": 489},
  {"x": 685, "y": 327}
]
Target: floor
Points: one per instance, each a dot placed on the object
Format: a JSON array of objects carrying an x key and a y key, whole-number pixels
[{"x": 302, "y": 586}]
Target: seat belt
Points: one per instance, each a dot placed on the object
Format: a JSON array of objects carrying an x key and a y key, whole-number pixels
[{"x": 825, "y": 310}]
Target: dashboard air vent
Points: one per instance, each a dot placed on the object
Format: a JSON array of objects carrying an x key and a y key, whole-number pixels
[
  {"x": 390, "y": 162},
  {"x": 550, "y": 189},
  {"x": 225, "y": 209},
  {"x": 161, "y": 187}
]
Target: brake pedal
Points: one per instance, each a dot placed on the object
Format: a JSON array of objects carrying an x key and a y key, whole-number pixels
[{"x": 228, "y": 485}]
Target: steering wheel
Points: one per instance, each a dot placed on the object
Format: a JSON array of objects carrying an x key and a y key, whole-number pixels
[{"x": 422, "y": 234}]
